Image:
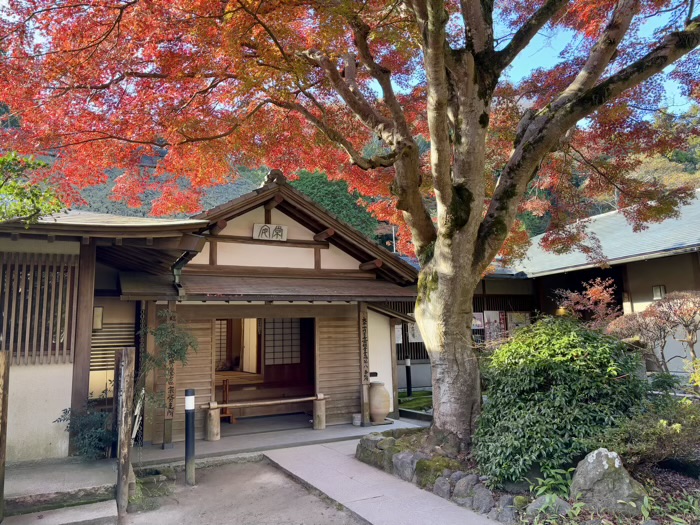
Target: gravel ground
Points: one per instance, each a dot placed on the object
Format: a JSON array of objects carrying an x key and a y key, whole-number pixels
[{"x": 241, "y": 494}]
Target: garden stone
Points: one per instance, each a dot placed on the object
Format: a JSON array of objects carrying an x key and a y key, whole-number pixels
[
  {"x": 483, "y": 499},
  {"x": 442, "y": 487},
  {"x": 504, "y": 511},
  {"x": 548, "y": 504},
  {"x": 405, "y": 465},
  {"x": 604, "y": 485},
  {"x": 464, "y": 502},
  {"x": 386, "y": 443},
  {"x": 446, "y": 473},
  {"x": 464, "y": 488},
  {"x": 651, "y": 522},
  {"x": 456, "y": 476}
]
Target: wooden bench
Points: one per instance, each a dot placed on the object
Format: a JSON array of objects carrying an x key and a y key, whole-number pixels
[{"x": 214, "y": 411}]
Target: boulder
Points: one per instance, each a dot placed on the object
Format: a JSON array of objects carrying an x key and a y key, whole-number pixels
[
  {"x": 456, "y": 476},
  {"x": 604, "y": 485},
  {"x": 442, "y": 487},
  {"x": 548, "y": 504},
  {"x": 464, "y": 488},
  {"x": 482, "y": 501},
  {"x": 404, "y": 464},
  {"x": 505, "y": 511}
]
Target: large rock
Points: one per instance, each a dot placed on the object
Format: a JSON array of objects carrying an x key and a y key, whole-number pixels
[
  {"x": 549, "y": 504},
  {"x": 604, "y": 485},
  {"x": 505, "y": 511},
  {"x": 404, "y": 465},
  {"x": 442, "y": 487},
  {"x": 464, "y": 488},
  {"x": 482, "y": 501}
]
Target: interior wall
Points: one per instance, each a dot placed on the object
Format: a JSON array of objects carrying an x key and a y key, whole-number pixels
[
  {"x": 380, "y": 351},
  {"x": 38, "y": 395}
]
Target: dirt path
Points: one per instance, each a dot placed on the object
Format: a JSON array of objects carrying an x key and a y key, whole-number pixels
[{"x": 242, "y": 494}]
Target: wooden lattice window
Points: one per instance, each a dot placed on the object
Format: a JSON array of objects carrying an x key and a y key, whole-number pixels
[
  {"x": 38, "y": 307},
  {"x": 109, "y": 340},
  {"x": 282, "y": 341}
]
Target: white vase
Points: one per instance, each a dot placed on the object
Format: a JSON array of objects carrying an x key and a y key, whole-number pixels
[{"x": 379, "y": 402}]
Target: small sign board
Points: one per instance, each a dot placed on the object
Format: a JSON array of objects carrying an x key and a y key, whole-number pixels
[{"x": 269, "y": 232}]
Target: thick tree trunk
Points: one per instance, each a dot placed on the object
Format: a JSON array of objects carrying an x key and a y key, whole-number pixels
[{"x": 444, "y": 316}]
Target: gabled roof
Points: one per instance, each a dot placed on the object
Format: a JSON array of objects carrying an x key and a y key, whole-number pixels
[
  {"x": 621, "y": 244},
  {"x": 300, "y": 208}
]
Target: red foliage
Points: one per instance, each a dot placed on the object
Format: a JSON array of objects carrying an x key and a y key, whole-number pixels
[
  {"x": 595, "y": 305},
  {"x": 211, "y": 85}
]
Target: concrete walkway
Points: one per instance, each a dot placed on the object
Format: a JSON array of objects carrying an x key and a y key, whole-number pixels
[
  {"x": 259, "y": 438},
  {"x": 49, "y": 484},
  {"x": 373, "y": 495}
]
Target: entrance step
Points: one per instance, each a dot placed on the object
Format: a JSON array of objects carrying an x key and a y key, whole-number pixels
[{"x": 102, "y": 513}]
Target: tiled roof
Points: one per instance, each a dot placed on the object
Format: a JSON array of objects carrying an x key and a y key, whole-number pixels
[
  {"x": 89, "y": 218},
  {"x": 620, "y": 243}
]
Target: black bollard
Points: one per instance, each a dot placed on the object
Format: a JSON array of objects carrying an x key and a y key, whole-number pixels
[
  {"x": 189, "y": 436},
  {"x": 409, "y": 386}
]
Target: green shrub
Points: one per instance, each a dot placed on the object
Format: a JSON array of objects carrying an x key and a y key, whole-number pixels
[
  {"x": 91, "y": 430},
  {"x": 666, "y": 428},
  {"x": 551, "y": 388}
]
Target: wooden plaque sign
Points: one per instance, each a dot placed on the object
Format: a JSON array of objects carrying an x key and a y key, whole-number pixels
[{"x": 269, "y": 232}]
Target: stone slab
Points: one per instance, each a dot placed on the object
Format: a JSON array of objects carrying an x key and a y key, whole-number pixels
[{"x": 103, "y": 513}]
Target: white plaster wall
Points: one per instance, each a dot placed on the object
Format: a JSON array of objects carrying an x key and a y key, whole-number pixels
[
  {"x": 677, "y": 273},
  {"x": 243, "y": 225},
  {"x": 336, "y": 259},
  {"x": 39, "y": 246},
  {"x": 421, "y": 376},
  {"x": 203, "y": 256},
  {"x": 236, "y": 254},
  {"x": 380, "y": 351},
  {"x": 38, "y": 394}
]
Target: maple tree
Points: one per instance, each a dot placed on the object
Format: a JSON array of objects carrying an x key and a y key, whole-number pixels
[
  {"x": 595, "y": 305},
  {"x": 350, "y": 88}
]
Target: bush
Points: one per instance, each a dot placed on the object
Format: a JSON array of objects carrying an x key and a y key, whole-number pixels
[
  {"x": 552, "y": 388},
  {"x": 91, "y": 429},
  {"x": 666, "y": 428}
]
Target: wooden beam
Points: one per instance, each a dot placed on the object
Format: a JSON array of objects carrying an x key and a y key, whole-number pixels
[
  {"x": 371, "y": 265},
  {"x": 274, "y": 202},
  {"x": 188, "y": 312},
  {"x": 213, "y": 252},
  {"x": 14, "y": 236},
  {"x": 393, "y": 323},
  {"x": 317, "y": 259},
  {"x": 293, "y": 243},
  {"x": 191, "y": 243},
  {"x": 83, "y": 329},
  {"x": 218, "y": 227},
  {"x": 324, "y": 235},
  {"x": 255, "y": 271}
]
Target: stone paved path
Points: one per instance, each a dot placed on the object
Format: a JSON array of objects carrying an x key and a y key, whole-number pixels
[{"x": 373, "y": 495}]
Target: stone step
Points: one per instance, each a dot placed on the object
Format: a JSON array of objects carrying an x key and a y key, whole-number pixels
[{"x": 102, "y": 513}]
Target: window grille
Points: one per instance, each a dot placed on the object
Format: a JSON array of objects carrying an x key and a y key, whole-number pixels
[
  {"x": 38, "y": 307},
  {"x": 282, "y": 341},
  {"x": 112, "y": 337}
]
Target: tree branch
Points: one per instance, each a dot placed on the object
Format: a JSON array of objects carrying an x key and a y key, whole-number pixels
[
  {"x": 528, "y": 30},
  {"x": 477, "y": 16}
]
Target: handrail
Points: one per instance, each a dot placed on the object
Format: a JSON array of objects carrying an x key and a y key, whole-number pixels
[{"x": 212, "y": 405}]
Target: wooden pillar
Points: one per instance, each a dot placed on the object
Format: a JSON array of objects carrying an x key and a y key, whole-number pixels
[
  {"x": 83, "y": 327},
  {"x": 4, "y": 395},
  {"x": 363, "y": 334},
  {"x": 214, "y": 424},
  {"x": 126, "y": 423},
  {"x": 149, "y": 409},
  {"x": 394, "y": 367},
  {"x": 320, "y": 413}
]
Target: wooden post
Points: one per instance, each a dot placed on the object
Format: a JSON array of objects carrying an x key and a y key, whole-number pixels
[
  {"x": 363, "y": 334},
  {"x": 214, "y": 424},
  {"x": 83, "y": 329},
  {"x": 4, "y": 394},
  {"x": 170, "y": 401},
  {"x": 320, "y": 413},
  {"x": 126, "y": 422}
]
